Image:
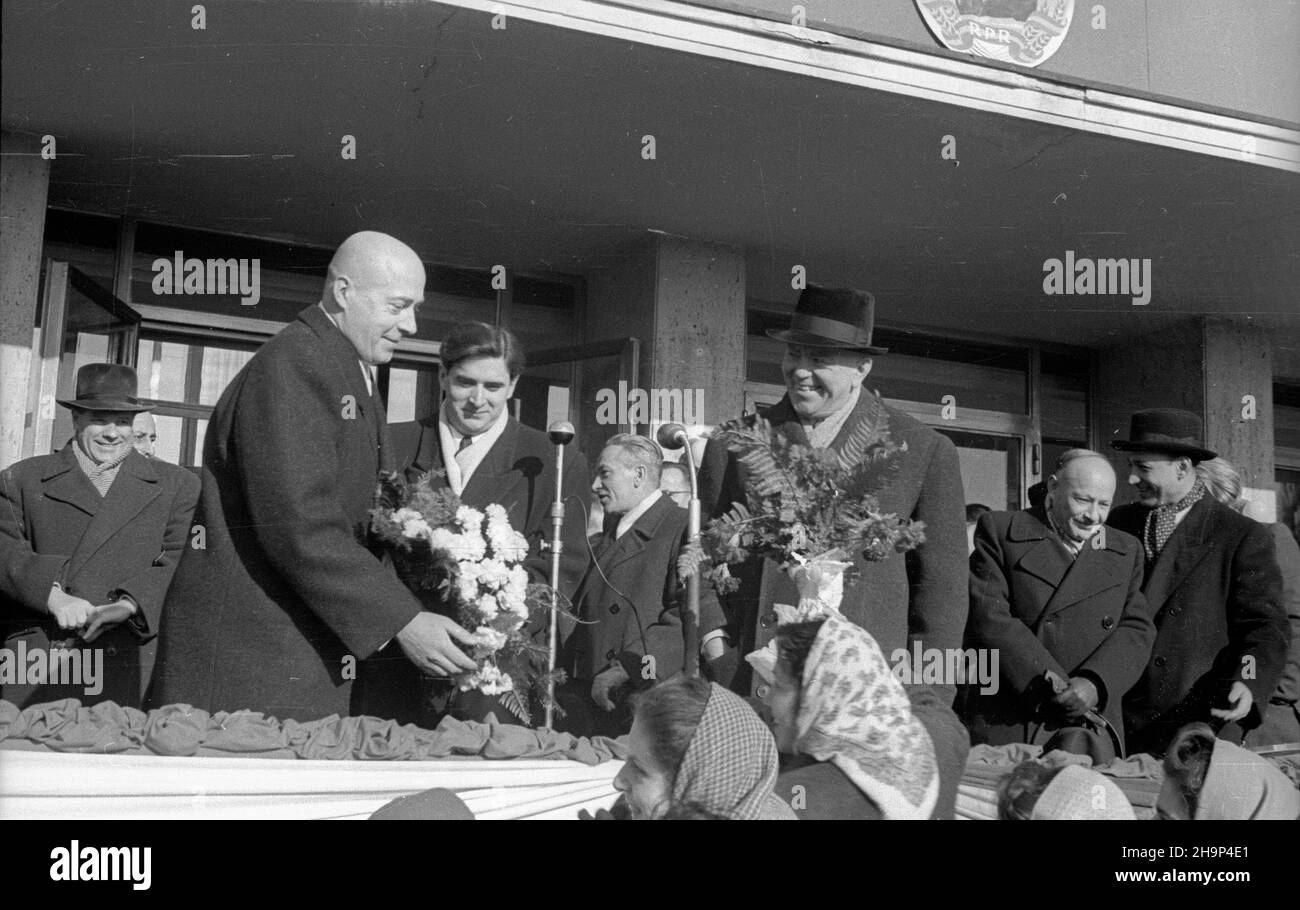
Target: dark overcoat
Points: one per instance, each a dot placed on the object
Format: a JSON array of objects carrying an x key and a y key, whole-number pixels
[
  {"x": 1216, "y": 593},
  {"x": 1045, "y": 610},
  {"x": 518, "y": 473},
  {"x": 284, "y": 607},
  {"x": 55, "y": 527},
  {"x": 921, "y": 596},
  {"x": 635, "y": 607}
]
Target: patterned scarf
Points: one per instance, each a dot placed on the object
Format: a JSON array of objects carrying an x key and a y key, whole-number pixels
[
  {"x": 1160, "y": 520},
  {"x": 855, "y": 713},
  {"x": 1242, "y": 785},
  {"x": 101, "y": 475},
  {"x": 731, "y": 764}
]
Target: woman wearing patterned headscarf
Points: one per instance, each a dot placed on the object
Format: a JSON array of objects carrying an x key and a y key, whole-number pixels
[
  {"x": 1209, "y": 779},
  {"x": 698, "y": 751},
  {"x": 850, "y": 745}
]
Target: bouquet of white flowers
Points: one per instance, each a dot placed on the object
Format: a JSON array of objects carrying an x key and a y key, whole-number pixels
[{"x": 470, "y": 562}]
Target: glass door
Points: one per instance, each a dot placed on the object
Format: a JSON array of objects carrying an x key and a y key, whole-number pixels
[
  {"x": 991, "y": 467},
  {"x": 567, "y": 384},
  {"x": 81, "y": 323}
]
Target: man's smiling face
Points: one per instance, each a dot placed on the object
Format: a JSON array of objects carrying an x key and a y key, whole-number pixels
[{"x": 821, "y": 380}]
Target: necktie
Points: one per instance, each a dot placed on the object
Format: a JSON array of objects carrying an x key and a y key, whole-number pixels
[{"x": 461, "y": 457}]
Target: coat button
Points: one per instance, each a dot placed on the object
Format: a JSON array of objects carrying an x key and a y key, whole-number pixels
[
  {"x": 614, "y": 610},
  {"x": 111, "y": 650},
  {"x": 1107, "y": 623},
  {"x": 1160, "y": 661},
  {"x": 763, "y": 690},
  {"x": 768, "y": 620},
  {"x": 1174, "y": 611},
  {"x": 610, "y": 655}
]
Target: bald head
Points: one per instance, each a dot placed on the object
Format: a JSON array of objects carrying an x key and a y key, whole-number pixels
[
  {"x": 374, "y": 285},
  {"x": 1080, "y": 493}
]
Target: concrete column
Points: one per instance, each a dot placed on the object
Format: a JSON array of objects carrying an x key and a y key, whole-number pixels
[
  {"x": 1203, "y": 365},
  {"x": 1239, "y": 363},
  {"x": 685, "y": 300},
  {"x": 700, "y": 324},
  {"x": 24, "y": 191}
]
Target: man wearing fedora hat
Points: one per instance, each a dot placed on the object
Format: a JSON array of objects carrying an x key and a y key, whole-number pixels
[
  {"x": 918, "y": 598},
  {"x": 1212, "y": 584},
  {"x": 89, "y": 539}
]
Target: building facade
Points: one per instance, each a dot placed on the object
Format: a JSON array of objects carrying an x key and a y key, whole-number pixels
[{"x": 640, "y": 189}]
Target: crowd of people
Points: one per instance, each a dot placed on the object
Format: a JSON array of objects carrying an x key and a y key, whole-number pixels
[{"x": 1167, "y": 627}]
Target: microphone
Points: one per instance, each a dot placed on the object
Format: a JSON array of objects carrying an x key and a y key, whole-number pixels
[
  {"x": 671, "y": 436},
  {"x": 560, "y": 433}
]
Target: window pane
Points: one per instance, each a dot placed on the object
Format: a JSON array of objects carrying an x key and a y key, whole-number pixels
[
  {"x": 990, "y": 468},
  {"x": 219, "y": 367},
  {"x": 1064, "y": 400},
  {"x": 200, "y": 433},
  {"x": 170, "y": 430},
  {"x": 401, "y": 394}
]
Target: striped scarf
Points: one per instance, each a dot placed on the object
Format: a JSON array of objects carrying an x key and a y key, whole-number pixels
[
  {"x": 101, "y": 475},
  {"x": 1161, "y": 522}
]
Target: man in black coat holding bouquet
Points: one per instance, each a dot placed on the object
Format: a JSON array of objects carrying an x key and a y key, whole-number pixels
[
  {"x": 278, "y": 605},
  {"x": 496, "y": 460},
  {"x": 920, "y": 597}
]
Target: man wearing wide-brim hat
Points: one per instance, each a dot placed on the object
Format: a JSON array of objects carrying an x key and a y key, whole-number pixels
[
  {"x": 89, "y": 539},
  {"x": 1212, "y": 583},
  {"x": 918, "y": 598}
]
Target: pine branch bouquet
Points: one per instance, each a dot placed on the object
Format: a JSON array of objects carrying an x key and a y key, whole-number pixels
[
  {"x": 807, "y": 508},
  {"x": 466, "y": 563}
]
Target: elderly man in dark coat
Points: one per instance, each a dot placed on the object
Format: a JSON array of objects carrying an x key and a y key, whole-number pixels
[
  {"x": 282, "y": 607},
  {"x": 89, "y": 540},
  {"x": 1060, "y": 599},
  {"x": 1213, "y": 585},
  {"x": 631, "y": 598},
  {"x": 920, "y": 598}
]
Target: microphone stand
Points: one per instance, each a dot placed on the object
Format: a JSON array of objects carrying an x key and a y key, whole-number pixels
[
  {"x": 691, "y": 621},
  {"x": 557, "y": 544}
]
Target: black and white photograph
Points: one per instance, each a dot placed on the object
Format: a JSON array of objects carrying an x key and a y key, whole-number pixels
[{"x": 606, "y": 410}]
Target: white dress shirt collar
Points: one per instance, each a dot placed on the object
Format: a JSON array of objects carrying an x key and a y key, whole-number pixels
[
  {"x": 631, "y": 515},
  {"x": 365, "y": 370},
  {"x": 459, "y": 471}
]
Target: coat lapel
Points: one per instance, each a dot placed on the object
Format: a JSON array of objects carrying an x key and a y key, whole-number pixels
[
  {"x": 66, "y": 482},
  {"x": 782, "y": 417},
  {"x": 486, "y": 484},
  {"x": 643, "y": 529},
  {"x": 342, "y": 357},
  {"x": 1044, "y": 557},
  {"x": 428, "y": 455},
  {"x": 1191, "y": 540},
  {"x": 1093, "y": 570},
  {"x": 136, "y": 485}
]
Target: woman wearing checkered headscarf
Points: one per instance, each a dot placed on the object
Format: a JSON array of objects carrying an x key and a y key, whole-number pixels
[
  {"x": 851, "y": 746},
  {"x": 699, "y": 751}
]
